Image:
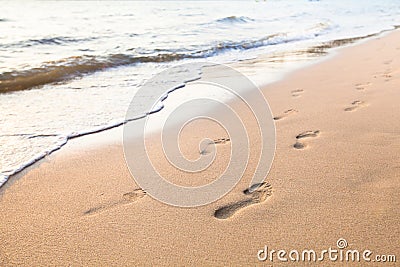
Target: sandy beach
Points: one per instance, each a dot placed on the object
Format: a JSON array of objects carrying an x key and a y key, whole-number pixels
[{"x": 336, "y": 174}]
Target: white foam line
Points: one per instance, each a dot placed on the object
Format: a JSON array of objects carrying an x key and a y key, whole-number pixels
[{"x": 158, "y": 107}]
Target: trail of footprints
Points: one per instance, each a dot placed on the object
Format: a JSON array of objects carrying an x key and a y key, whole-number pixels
[
  {"x": 127, "y": 198},
  {"x": 260, "y": 192},
  {"x": 255, "y": 194}
]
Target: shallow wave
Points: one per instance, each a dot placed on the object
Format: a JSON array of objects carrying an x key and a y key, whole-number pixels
[
  {"x": 69, "y": 68},
  {"x": 72, "y": 67},
  {"x": 59, "y": 40},
  {"x": 55, "y": 40},
  {"x": 234, "y": 19}
]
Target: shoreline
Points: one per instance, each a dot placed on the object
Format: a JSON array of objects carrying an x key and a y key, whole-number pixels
[
  {"x": 341, "y": 111},
  {"x": 328, "y": 51}
]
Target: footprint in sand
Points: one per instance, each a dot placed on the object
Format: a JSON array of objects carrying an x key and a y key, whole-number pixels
[
  {"x": 386, "y": 75},
  {"x": 304, "y": 135},
  {"x": 219, "y": 141},
  {"x": 127, "y": 198},
  {"x": 297, "y": 92},
  {"x": 355, "y": 105},
  {"x": 362, "y": 86},
  {"x": 285, "y": 114},
  {"x": 255, "y": 194}
]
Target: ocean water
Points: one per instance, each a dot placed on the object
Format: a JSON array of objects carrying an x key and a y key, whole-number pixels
[{"x": 69, "y": 68}]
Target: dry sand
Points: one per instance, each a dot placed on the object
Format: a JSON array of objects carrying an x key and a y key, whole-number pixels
[{"x": 336, "y": 174}]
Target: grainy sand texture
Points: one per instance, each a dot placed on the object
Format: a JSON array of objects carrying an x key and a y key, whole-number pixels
[{"x": 336, "y": 174}]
